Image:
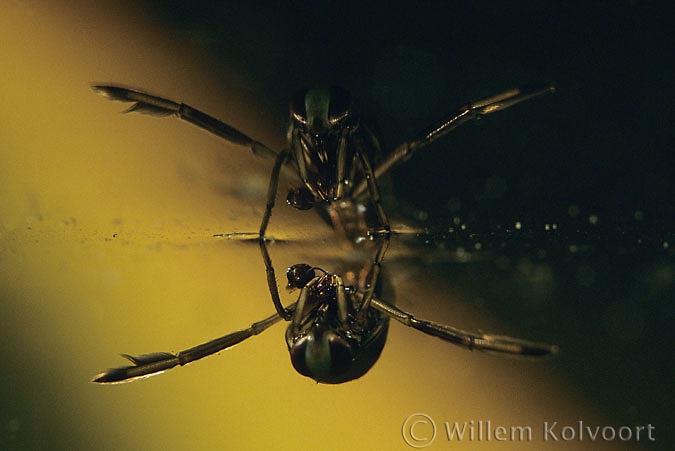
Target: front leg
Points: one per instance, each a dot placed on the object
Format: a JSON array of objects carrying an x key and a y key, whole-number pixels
[{"x": 282, "y": 157}]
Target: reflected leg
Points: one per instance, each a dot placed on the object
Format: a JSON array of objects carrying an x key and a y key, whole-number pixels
[
  {"x": 156, "y": 363},
  {"x": 483, "y": 342}
]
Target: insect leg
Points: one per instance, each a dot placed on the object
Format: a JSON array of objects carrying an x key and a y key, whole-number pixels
[
  {"x": 156, "y": 363},
  {"x": 462, "y": 115},
  {"x": 384, "y": 232},
  {"x": 269, "y": 267},
  {"x": 157, "y": 106},
  {"x": 483, "y": 342}
]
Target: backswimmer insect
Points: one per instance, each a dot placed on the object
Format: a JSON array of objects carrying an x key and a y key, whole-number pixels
[{"x": 336, "y": 330}]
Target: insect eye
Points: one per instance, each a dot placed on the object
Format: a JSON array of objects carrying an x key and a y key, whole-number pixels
[
  {"x": 323, "y": 356},
  {"x": 340, "y": 104},
  {"x": 317, "y": 108},
  {"x": 298, "y": 109},
  {"x": 299, "y": 275},
  {"x": 300, "y": 199}
]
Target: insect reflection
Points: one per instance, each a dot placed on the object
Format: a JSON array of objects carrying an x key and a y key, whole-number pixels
[{"x": 336, "y": 330}]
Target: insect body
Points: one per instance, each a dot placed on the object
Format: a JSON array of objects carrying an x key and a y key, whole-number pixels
[{"x": 336, "y": 331}]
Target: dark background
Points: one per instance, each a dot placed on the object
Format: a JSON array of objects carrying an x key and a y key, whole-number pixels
[
  {"x": 599, "y": 148},
  {"x": 601, "y": 143}
]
